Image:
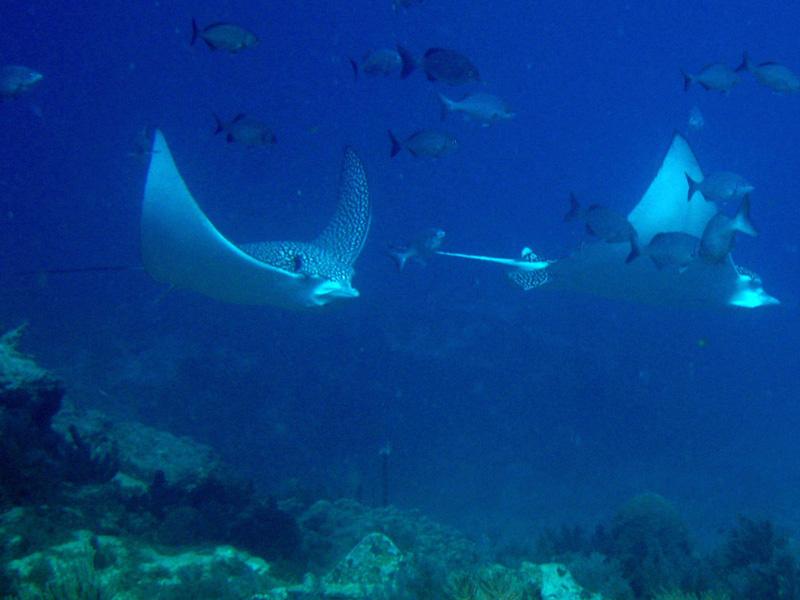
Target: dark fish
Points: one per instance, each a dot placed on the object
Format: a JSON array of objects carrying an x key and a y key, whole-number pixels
[
  {"x": 718, "y": 76},
  {"x": 441, "y": 64},
  {"x": 606, "y": 224},
  {"x": 672, "y": 249},
  {"x": 720, "y": 233},
  {"x": 224, "y": 36},
  {"x": 721, "y": 187},
  {"x": 16, "y": 80},
  {"x": 383, "y": 61},
  {"x": 245, "y": 130},
  {"x": 425, "y": 142},
  {"x": 423, "y": 247},
  {"x": 771, "y": 74}
]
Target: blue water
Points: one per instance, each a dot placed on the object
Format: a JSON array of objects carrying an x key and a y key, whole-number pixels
[{"x": 506, "y": 411}]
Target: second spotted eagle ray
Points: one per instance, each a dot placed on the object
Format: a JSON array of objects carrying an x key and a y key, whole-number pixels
[
  {"x": 599, "y": 268},
  {"x": 180, "y": 246}
]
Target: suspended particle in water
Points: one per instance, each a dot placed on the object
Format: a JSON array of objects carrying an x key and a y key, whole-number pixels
[{"x": 696, "y": 120}]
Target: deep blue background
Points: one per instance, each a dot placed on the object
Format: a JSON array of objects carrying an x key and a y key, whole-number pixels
[{"x": 505, "y": 410}]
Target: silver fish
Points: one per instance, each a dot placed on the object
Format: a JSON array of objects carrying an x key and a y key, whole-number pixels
[
  {"x": 425, "y": 142},
  {"x": 383, "y": 61},
  {"x": 245, "y": 130},
  {"x": 672, "y": 249},
  {"x": 442, "y": 64},
  {"x": 721, "y": 186},
  {"x": 485, "y": 108},
  {"x": 16, "y": 80},
  {"x": 717, "y": 76},
  {"x": 606, "y": 224},
  {"x": 423, "y": 247},
  {"x": 771, "y": 74},
  {"x": 720, "y": 233},
  {"x": 224, "y": 36}
]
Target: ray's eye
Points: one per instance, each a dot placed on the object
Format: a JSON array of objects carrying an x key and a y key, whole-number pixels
[{"x": 297, "y": 263}]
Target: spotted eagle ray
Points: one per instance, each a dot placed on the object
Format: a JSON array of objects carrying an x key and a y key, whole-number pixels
[
  {"x": 599, "y": 268},
  {"x": 180, "y": 246}
]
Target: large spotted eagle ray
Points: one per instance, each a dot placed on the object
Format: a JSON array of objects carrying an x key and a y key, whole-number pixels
[
  {"x": 180, "y": 246},
  {"x": 599, "y": 268}
]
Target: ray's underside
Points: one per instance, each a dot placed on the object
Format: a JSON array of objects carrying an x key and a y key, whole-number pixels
[
  {"x": 181, "y": 247},
  {"x": 600, "y": 269}
]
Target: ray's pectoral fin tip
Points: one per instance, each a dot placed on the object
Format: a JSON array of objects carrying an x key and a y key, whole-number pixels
[{"x": 181, "y": 247}]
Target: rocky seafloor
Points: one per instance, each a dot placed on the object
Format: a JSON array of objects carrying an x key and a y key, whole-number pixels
[
  {"x": 94, "y": 508},
  {"x": 100, "y": 509}
]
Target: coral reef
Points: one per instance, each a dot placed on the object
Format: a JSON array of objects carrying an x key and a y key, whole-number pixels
[
  {"x": 36, "y": 460},
  {"x": 216, "y": 509},
  {"x": 95, "y": 567},
  {"x": 680, "y": 595},
  {"x": 757, "y": 562},
  {"x": 97, "y": 509},
  {"x": 85, "y": 463},
  {"x": 651, "y": 543},
  {"x": 599, "y": 573},
  {"x": 492, "y": 582},
  {"x": 330, "y": 529},
  {"x": 142, "y": 451},
  {"x": 372, "y": 566}
]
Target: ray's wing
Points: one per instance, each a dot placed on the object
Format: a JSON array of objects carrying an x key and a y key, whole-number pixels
[
  {"x": 664, "y": 206},
  {"x": 182, "y": 247},
  {"x": 345, "y": 235}
]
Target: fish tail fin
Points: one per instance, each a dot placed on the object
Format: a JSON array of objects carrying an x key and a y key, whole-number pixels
[
  {"x": 741, "y": 221},
  {"x": 574, "y": 211},
  {"x": 219, "y": 125},
  {"x": 635, "y": 252},
  {"x": 447, "y": 106},
  {"x": 195, "y": 32},
  {"x": 692, "y": 187},
  {"x": 687, "y": 80},
  {"x": 396, "y": 145},
  {"x": 400, "y": 256},
  {"x": 354, "y": 64},
  {"x": 745, "y": 66},
  {"x": 409, "y": 63}
]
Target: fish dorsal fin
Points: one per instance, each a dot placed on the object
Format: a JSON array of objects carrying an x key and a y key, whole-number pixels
[
  {"x": 346, "y": 233},
  {"x": 663, "y": 206}
]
